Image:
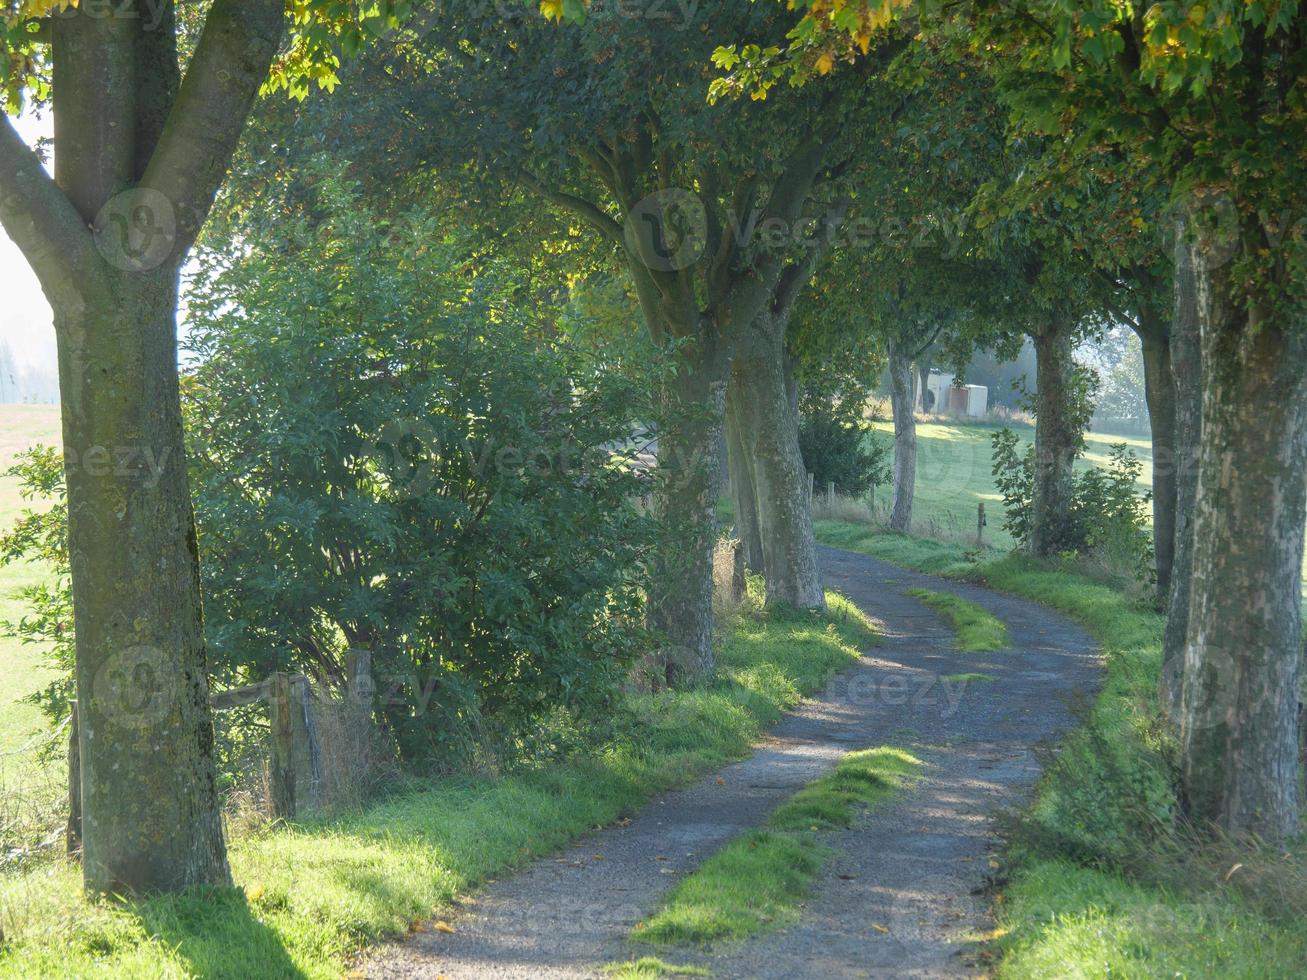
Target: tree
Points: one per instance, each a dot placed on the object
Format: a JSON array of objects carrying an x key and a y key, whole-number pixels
[
  {"x": 702, "y": 205},
  {"x": 141, "y": 151}
]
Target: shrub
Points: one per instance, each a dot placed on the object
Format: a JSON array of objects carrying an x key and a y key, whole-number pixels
[
  {"x": 838, "y": 447},
  {"x": 1109, "y": 516}
]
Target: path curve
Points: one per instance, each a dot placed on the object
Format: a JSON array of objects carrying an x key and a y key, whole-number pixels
[{"x": 899, "y": 900}]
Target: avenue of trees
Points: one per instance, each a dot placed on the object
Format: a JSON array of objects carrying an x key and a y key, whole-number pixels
[{"x": 570, "y": 232}]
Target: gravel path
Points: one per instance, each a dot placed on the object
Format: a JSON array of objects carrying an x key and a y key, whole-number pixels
[{"x": 899, "y": 900}]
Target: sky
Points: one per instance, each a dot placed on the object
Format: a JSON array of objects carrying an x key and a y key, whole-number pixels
[{"x": 25, "y": 322}]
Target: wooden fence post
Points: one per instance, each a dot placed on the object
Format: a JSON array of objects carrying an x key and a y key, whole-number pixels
[
  {"x": 812, "y": 482},
  {"x": 305, "y": 749},
  {"x": 282, "y": 763},
  {"x": 981, "y": 522},
  {"x": 358, "y": 706},
  {"x": 830, "y": 496}
]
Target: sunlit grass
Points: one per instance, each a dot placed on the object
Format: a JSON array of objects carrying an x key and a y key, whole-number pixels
[
  {"x": 975, "y": 630},
  {"x": 651, "y": 966}
]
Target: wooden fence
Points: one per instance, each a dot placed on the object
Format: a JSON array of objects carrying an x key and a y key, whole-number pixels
[{"x": 295, "y": 757}]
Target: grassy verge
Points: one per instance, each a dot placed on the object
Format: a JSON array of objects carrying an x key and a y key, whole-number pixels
[
  {"x": 1084, "y": 896},
  {"x": 759, "y": 880},
  {"x": 977, "y": 631},
  {"x": 313, "y": 895}
]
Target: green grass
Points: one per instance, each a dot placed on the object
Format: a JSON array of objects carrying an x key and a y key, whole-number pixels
[
  {"x": 955, "y": 473},
  {"x": 969, "y": 678},
  {"x": 651, "y": 966},
  {"x": 976, "y": 630},
  {"x": 758, "y": 881},
  {"x": 1058, "y": 916},
  {"x": 316, "y": 894}
]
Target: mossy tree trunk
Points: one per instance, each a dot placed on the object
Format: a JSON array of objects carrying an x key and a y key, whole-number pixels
[
  {"x": 1238, "y": 718},
  {"x": 769, "y": 432},
  {"x": 1057, "y": 438},
  {"x": 141, "y": 154},
  {"x": 743, "y": 494},
  {"x": 1187, "y": 385},
  {"x": 687, "y": 488},
  {"x": 905, "y": 436}
]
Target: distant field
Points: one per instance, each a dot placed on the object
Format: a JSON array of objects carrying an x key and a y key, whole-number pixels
[
  {"x": 21, "y": 426},
  {"x": 954, "y": 474}
]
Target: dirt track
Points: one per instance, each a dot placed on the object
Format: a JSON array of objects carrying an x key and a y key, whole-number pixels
[{"x": 902, "y": 896}]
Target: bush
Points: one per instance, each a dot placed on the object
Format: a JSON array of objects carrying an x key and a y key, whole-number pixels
[
  {"x": 1109, "y": 516},
  {"x": 838, "y": 447}
]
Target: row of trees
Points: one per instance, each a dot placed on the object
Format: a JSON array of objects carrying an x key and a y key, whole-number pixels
[
  {"x": 1186, "y": 119},
  {"x": 885, "y": 207}
]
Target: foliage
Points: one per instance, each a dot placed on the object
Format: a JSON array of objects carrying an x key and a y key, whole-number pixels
[
  {"x": 430, "y": 483},
  {"x": 434, "y": 484},
  {"x": 315, "y": 895},
  {"x": 323, "y": 33},
  {"x": 1120, "y": 365},
  {"x": 839, "y": 447}
]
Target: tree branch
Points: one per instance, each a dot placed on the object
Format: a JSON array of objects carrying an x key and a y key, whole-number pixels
[
  {"x": 195, "y": 147},
  {"x": 40, "y": 219},
  {"x": 603, "y": 222}
]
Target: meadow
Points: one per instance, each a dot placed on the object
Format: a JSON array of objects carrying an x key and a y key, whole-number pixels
[{"x": 954, "y": 474}]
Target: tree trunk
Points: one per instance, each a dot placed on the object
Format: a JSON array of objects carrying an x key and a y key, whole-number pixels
[
  {"x": 1057, "y": 438},
  {"x": 1238, "y": 725},
  {"x": 1159, "y": 392},
  {"x": 770, "y": 434},
  {"x": 688, "y": 486},
  {"x": 742, "y": 489},
  {"x": 1186, "y": 376},
  {"x": 905, "y": 438},
  {"x": 148, "y": 781}
]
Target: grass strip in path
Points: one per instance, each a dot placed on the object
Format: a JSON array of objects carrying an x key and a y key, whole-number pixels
[
  {"x": 313, "y": 895},
  {"x": 758, "y": 881},
  {"x": 976, "y": 630},
  {"x": 1073, "y": 905},
  {"x": 651, "y": 966}
]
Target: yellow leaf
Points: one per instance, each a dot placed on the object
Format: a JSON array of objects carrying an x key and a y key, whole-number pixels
[
  {"x": 254, "y": 892},
  {"x": 879, "y": 928},
  {"x": 825, "y": 63},
  {"x": 443, "y": 926}
]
